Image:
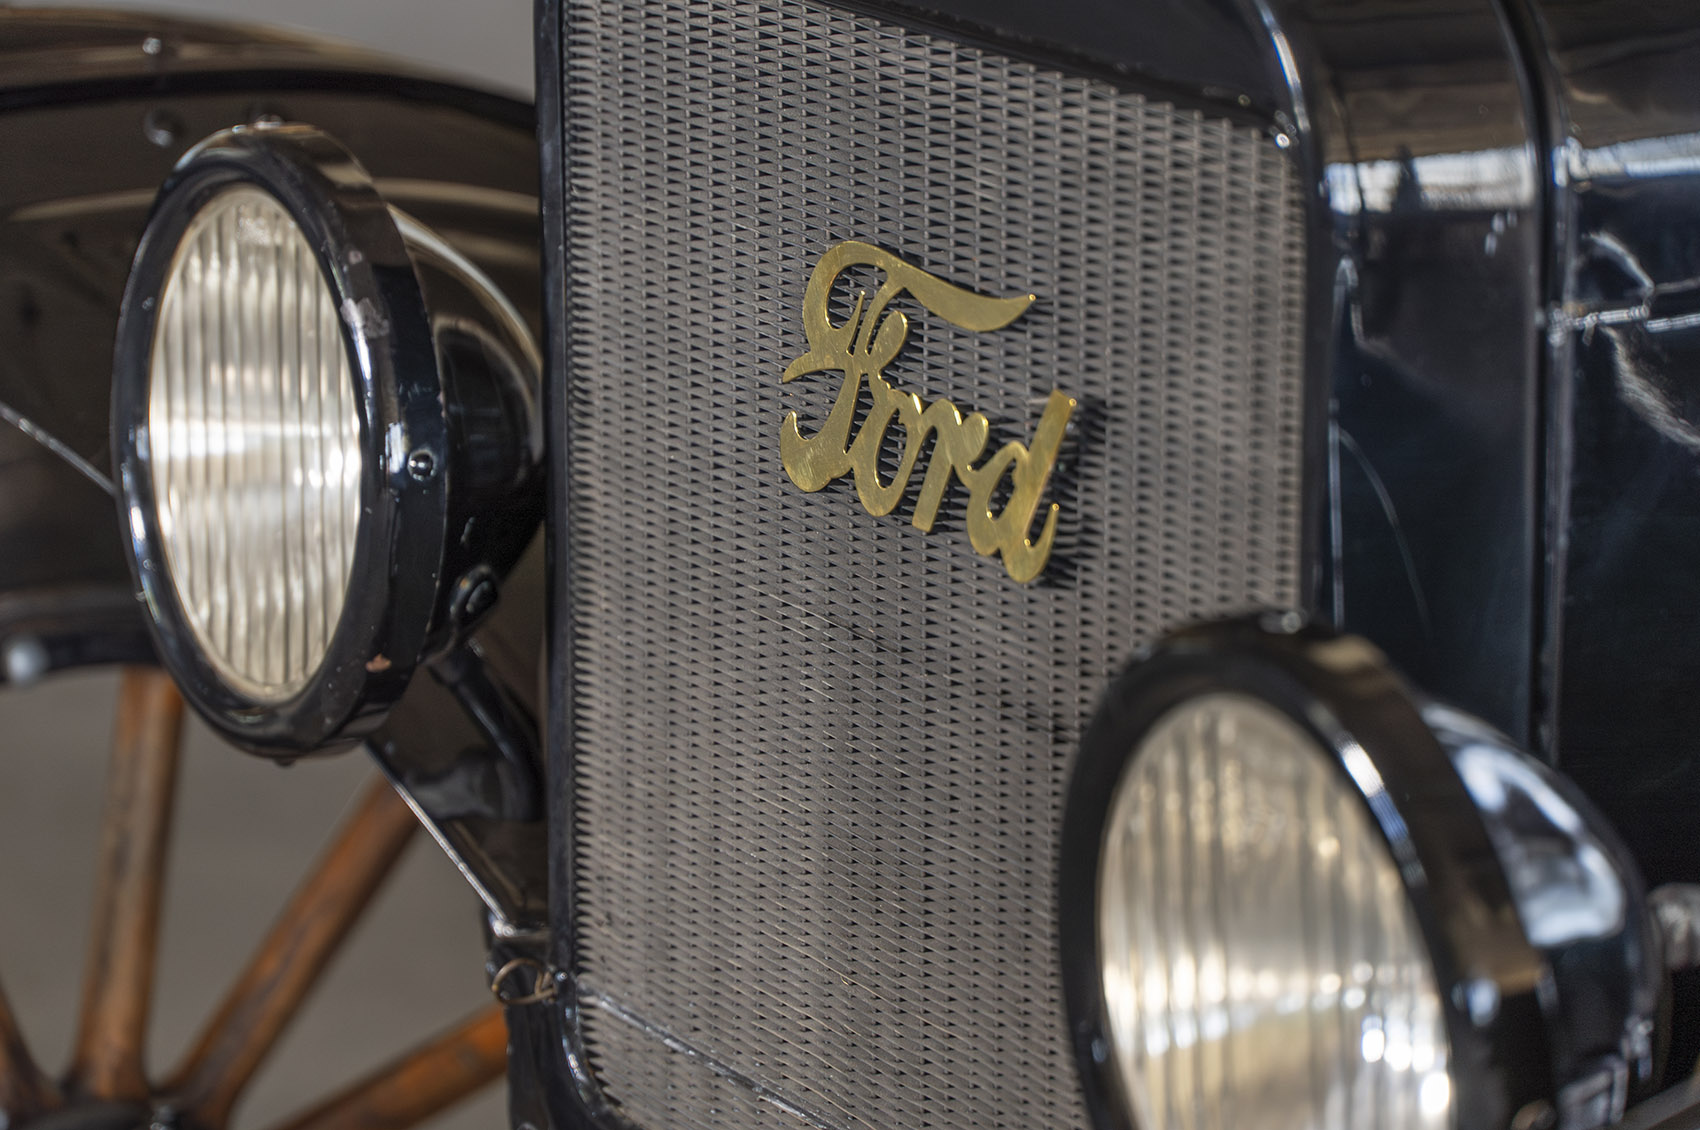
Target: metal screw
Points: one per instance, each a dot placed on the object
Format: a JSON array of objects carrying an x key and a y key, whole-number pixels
[
  {"x": 1480, "y": 999},
  {"x": 264, "y": 115},
  {"x": 1285, "y": 623},
  {"x": 1538, "y": 1115},
  {"x": 479, "y": 600},
  {"x": 1676, "y": 909},
  {"x": 162, "y": 127},
  {"x": 475, "y": 594},
  {"x": 421, "y": 465},
  {"x": 25, "y": 660}
]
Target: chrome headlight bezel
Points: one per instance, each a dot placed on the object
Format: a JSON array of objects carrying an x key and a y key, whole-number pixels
[
  {"x": 404, "y": 436},
  {"x": 1514, "y": 1051}
]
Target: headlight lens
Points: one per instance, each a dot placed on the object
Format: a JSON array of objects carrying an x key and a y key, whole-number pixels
[
  {"x": 256, "y": 444},
  {"x": 1261, "y": 963}
]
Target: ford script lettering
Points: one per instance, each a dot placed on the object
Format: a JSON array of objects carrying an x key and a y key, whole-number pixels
[{"x": 860, "y": 349}]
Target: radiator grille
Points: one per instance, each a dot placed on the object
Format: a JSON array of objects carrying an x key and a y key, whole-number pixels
[{"x": 819, "y": 755}]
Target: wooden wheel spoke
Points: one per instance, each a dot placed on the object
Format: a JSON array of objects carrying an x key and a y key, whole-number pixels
[
  {"x": 118, "y": 978},
  {"x": 288, "y": 963},
  {"x": 24, "y": 1090},
  {"x": 421, "y": 1083}
]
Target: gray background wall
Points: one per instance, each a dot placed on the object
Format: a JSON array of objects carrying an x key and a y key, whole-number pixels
[{"x": 246, "y": 830}]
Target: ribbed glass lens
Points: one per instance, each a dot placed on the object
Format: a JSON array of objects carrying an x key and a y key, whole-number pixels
[
  {"x": 255, "y": 444},
  {"x": 1262, "y": 966}
]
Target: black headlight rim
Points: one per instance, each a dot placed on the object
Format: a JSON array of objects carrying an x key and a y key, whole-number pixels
[
  {"x": 403, "y": 437},
  {"x": 1340, "y": 692}
]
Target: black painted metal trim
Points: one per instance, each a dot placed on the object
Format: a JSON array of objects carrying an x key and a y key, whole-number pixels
[
  {"x": 1255, "y": 98},
  {"x": 552, "y": 1048},
  {"x": 496, "y": 107},
  {"x": 1544, "y": 110},
  {"x": 1408, "y": 407}
]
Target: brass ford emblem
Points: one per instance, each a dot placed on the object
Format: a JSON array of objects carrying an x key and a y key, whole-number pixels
[{"x": 861, "y": 348}]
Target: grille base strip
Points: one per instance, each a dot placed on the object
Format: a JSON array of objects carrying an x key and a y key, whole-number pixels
[{"x": 591, "y": 998}]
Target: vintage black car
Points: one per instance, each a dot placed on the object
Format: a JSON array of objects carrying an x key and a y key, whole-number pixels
[{"x": 1118, "y": 565}]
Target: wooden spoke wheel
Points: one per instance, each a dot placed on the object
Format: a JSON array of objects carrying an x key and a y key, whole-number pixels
[{"x": 106, "y": 1086}]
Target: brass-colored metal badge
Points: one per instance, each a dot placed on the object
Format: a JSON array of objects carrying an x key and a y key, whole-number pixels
[{"x": 860, "y": 349}]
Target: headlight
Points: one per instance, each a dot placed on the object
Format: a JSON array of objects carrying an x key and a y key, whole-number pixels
[
  {"x": 1255, "y": 941},
  {"x": 327, "y": 438},
  {"x": 1291, "y": 896}
]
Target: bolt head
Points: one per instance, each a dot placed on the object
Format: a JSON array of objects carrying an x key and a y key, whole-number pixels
[
  {"x": 479, "y": 600},
  {"x": 24, "y": 660}
]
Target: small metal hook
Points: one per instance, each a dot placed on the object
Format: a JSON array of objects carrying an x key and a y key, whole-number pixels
[{"x": 542, "y": 988}]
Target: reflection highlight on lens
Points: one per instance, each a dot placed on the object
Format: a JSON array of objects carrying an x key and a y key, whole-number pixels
[
  {"x": 254, "y": 435},
  {"x": 1261, "y": 963}
]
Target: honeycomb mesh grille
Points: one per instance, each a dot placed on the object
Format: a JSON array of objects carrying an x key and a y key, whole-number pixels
[{"x": 819, "y": 756}]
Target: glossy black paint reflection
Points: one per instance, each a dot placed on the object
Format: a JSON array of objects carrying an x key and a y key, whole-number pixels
[
  {"x": 64, "y": 588},
  {"x": 1675, "y": 1109},
  {"x": 1627, "y": 332},
  {"x": 488, "y": 363},
  {"x": 478, "y": 801},
  {"x": 1620, "y": 87},
  {"x": 1428, "y": 161},
  {"x": 510, "y": 749},
  {"x": 1583, "y": 905},
  {"x": 68, "y": 55},
  {"x": 463, "y": 768},
  {"x": 1203, "y": 51}
]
